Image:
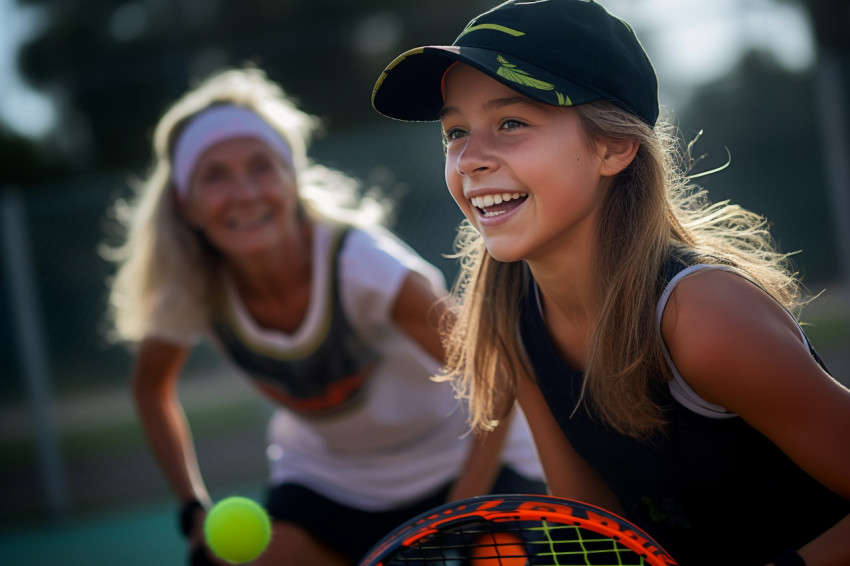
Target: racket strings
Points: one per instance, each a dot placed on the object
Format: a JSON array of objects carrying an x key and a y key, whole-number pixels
[
  {"x": 565, "y": 543},
  {"x": 517, "y": 543}
]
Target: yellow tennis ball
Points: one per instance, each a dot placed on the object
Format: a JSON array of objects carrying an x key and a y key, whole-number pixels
[{"x": 237, "y": 529}]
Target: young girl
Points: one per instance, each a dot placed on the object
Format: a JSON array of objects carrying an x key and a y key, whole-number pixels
[
  {"x": 237, "y": 238},
  {"x": 645, "y": 332}
]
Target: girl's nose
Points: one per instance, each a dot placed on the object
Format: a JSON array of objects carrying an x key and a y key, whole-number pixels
[{"x": 476, "y": 156}]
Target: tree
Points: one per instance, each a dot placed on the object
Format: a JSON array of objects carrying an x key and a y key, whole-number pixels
[{"x": 114, "y": 68}]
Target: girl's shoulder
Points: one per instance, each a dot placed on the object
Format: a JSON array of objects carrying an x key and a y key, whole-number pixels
[{"x": 725, "y": 334}]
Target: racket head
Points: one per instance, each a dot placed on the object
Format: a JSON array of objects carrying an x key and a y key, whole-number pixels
[{"x": 517, "y": 530}]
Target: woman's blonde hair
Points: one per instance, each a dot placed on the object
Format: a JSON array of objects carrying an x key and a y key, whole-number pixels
[
  {"x": 650, "y": 212},
  {"x": 166, "y": 271}
]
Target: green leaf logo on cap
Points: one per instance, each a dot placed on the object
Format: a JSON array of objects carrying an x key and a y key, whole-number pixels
[
  {"x": 510, "y": 72},
  {"x": 494, "y": 27}
]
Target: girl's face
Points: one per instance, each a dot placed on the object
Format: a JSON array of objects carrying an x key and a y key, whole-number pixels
[
  {"x": 521, "y": 171},
  {"x": 244, "y": 198}
]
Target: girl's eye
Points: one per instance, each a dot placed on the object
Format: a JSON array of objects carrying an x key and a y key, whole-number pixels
[
  {"x": 511, "y": 124},
  {"x": 453, "y": 134}
]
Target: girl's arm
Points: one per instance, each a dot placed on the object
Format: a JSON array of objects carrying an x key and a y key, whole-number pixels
[
  {"x": 154, "y": 388},
  {"x": 738, "y": 348},
  {"x": 567, "y": 473},
  {"x": 482, "y": 463}
]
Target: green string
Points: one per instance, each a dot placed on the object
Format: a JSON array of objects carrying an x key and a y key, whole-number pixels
[{"x": 576, "y": 536}]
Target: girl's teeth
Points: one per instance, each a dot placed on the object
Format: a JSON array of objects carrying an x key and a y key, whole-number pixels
[{"x": 490, "y": 200}]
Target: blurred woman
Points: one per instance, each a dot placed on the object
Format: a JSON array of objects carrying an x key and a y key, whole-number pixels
[{"x": 237, "y": 238}]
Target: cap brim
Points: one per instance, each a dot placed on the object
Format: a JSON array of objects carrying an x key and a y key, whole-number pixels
[{"x": 410, "y": 88}]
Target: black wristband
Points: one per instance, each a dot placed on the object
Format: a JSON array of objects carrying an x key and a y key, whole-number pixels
[
  {"x": 187, "y": 516},
  {"x": 788, "y": 558},
  {"x": 198, "y": 556}
]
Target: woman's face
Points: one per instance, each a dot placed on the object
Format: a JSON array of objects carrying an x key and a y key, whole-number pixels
[
  {"x": 243, "y": 197},
  {"x": 521, "y": 171}
]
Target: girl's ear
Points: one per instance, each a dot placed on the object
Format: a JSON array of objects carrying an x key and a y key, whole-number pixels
[{"x": 616, "y": 156}]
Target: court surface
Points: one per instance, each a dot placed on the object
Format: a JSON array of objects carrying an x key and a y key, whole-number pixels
[{"x": 140, "y": 537}]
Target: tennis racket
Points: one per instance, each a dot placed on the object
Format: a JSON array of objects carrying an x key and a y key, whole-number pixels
[{"x": 517, "y": 530}]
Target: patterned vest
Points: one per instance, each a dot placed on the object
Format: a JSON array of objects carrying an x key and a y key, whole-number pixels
[{"x": 323, "y": 376}]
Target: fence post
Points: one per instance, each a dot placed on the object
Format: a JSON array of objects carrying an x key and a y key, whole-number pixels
[{"x": 31, "y": 345}]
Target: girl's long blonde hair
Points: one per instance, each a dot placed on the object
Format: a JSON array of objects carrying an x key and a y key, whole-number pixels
[
  {"x": 166, "y": 272},
  {"x": 651, "y": 211}
]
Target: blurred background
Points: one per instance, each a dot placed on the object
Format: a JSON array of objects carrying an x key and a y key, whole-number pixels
[{"x": 82, "y": 84}]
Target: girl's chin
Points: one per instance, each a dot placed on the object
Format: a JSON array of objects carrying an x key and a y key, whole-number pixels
[{"x": 502, "y": 251}]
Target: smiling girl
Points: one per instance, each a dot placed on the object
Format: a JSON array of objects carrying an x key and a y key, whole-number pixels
[{"x": 646, "y": 333}]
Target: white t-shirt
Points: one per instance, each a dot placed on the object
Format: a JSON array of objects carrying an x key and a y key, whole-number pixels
[{"x": 407, "y": 436}]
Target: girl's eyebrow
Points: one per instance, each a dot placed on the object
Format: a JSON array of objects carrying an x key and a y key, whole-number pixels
[{"x": 492, "y": 104}]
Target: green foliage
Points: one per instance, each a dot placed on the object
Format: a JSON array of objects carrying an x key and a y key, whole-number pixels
[
  {"x": 119, "y": 65},
  {"x": 25, "y": 163}
]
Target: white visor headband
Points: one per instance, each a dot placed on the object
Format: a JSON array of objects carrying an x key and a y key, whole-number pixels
[{"x": 215, "y": 125}]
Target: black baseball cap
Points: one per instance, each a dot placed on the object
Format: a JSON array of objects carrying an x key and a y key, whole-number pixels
[{"x": 560, "y": 52}]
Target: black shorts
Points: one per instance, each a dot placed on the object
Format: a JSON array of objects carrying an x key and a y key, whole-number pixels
[{"x": 353, "y": 532}]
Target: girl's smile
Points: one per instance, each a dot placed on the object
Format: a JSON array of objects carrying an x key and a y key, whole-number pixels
[
  {"x": 492, "y": 205},
  {"x": 523, "y": 172}
]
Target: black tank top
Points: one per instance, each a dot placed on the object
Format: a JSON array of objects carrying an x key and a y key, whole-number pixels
[{"x": 710, "y": 491}]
